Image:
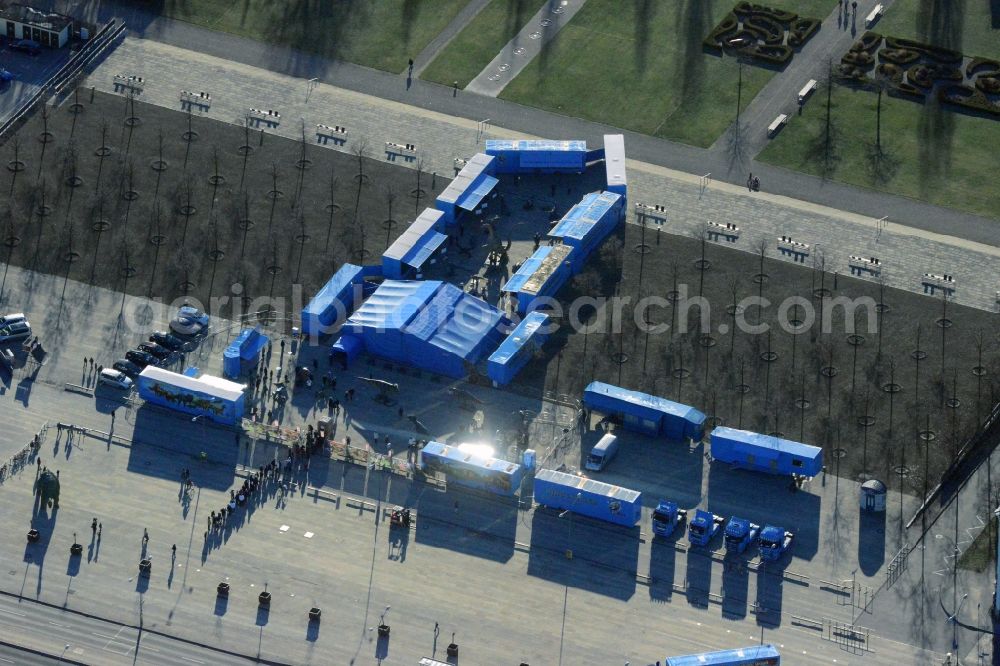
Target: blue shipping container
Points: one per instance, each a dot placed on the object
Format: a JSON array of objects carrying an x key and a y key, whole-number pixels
[
  {"x": 764, "y": 453},
  {"x": 538, "y": 156},
  {"x": 414, "y": 246},
  {"x": 334, "y": 301},
  {"x": 757, "y": 655},
  {"x": 558, "y": 490},
  {"x": 466, "y": 192},
  {"x": 587, "y": 224},
  {"x": 519, "y": 347},
  {"x": 470, "y": 469},
  {"x": 245, "y": 347},
  {"x": 645, "y": 413},
  {"x": 541, "y": 275}
]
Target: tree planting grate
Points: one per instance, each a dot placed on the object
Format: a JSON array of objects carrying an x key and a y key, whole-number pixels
[
  {"x": 303, "y": 164},
  {"x": 702, "y": 264},
  {"x": 620, "y": 358},
  {"x": 157, "y": 239},
  {"x": 74, "y": 181},
  {"x": 187, "y": 210},
  {"x": 128, "y": 271},
  {"x": 217, "y": 254},
  {"x": 918, "y": 354},
  {"x": 944, "y": 322},
  {"x": 190, "y": 136},
  {"x": 681, "y": 373},
  {"x": 839, "y": 452},
  {"x": 69, "y": 257},
  {"x": 275, "y": 194},
  {"x": 882, "y": 308},
  {"x": 902, "y": 471},
  {"x": 12, "y": 241},
  {"x": 707, "y": 341},
  {"x": 216, "y": 179},
  {"x": 742, "y": 388},
  {"x": 855, "y": 339},
  {"x": 244, "y": 224},
  {"x": 103, "y": 151},
  {"x": 952, "y": 403},
  {"x": 101, "y": 225},
  {"x": 45, "y": 137},
  {"x": 130, "y": 195},
  {"x": 15, "y": 165},
  {"x": 245, "y": 150},
  {"x": 642, "y": 248},
  {"x": 802, "y": 403},
  {"x": 892, "y": 387},
  {"x": 760, "y": 278},
  {"x": 828, "y": 371},
  {"x": 978, "y": 370},
  {"x": 821, "y": 293},
  {"x": 133, "y": 121},
  {"x": 769, "y": 356},
  {"x": 927, "y": 435},
  {"x": 866, "y": 421}
]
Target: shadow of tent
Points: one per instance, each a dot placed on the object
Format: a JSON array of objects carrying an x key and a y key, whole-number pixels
[
  {"x": 459, "y": 520},
  {"x": 73, "y": 565},
  {"x": 604, "y": 556},
  {"x": 263, "y": 615},
  {"x": 141, "y": 583},
  {"x": 871, "y": 541},
  {"x": 382, "y": 648},
  {"x": 995, "y": 14},
  {"x": 662, "y": 563}
]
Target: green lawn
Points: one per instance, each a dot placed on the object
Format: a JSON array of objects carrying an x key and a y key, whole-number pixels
[
  {"x": 480, "y": 41},
  {"x": 938, "y": 155},
  {"x": 383, "y": 34},
  {"x": 971, "y": 31},
  {"x": 640, "y": 66}
]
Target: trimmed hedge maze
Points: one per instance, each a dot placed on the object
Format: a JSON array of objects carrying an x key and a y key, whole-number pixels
[
  {"x": 763, "y": 35},
  {"x": 913, "y": 71}
]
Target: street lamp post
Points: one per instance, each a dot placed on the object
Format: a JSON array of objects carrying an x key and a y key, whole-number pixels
[{"x": 569, "y": 536}]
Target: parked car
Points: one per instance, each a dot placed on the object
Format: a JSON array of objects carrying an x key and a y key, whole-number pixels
[
  {"x": 127, "y": 368},
  {"x": 140, "y": 358},
  {"x": 168, "y": 340},
  {"x": 115, "y": 378},
  {"x": 190, "y": 312},
  {"x": 5, "y": 76},
  {"x": 161, "y": 353},
  {"x": 186, "y": 326},
  {"x": 7, "y": 359},
  {"x": 29, "y": 46},
  {"x": 19, "y": 330},
  {"x": 12, "y": 318}
]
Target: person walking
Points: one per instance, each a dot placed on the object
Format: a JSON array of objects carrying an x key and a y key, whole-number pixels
[
  {"x": 173, "y": 552},
  {"x": 100, "y": 528},
  {"x": 145, "y": 536},
  {"x": 750, "y": 182},
  {"x": 93, "y": 527}
]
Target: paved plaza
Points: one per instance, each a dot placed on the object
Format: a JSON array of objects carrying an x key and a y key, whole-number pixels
[
  {"x": 506, "y": 581},
  {"x": 906, "y": 253}
]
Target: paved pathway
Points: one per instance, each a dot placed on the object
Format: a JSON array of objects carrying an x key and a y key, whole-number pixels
[
  {"x": 434, "y": 97},
  {"x": 906, "y": 252},
  {"x": 436, "y": 45},
  {"x": 526, "y": 45},
  {"x": 780, "y": 95}
]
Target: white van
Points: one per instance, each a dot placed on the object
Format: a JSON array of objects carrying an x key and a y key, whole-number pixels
[
  {"x": 602, "y": 453},
  {"x": 112, "y": 377}
]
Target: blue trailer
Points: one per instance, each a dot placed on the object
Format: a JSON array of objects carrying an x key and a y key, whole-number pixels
[
  {"x": 334, "y": 301},
  {"x": 645, "y": 413},
  {"x": 213, "y": 397},
  {"x": 585, "y": 226},
  {"x": 415, "y": 245},
  {"x": 614, "y": 163},
  {"x": 470, "y": 189},
  {"x": 758, "y": 655},
  {"x": 468, "y": 467},
  {"x": 540, "y": 276},
  {"x": 538, "y": 156},
  {"x": 517, "y": 349},
  {"x": 764, "y": 453},
  {"x": 558, "y": 490}
]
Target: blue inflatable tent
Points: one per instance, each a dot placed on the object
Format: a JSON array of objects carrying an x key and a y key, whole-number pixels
[
  {"x": 333, "y": 301},
  {"x": 471, "y": 186},
  {"x": 587, "y": 224},
  {"x": 427, "y": 324},
  {"x": 538, "y": 156},
  {"x": 541, "y": 275},
  {"x": 244, "y": 348}
]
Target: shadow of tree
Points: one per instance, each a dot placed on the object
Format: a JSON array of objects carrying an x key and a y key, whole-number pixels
[
  {"x": 694, "y": 21},
  {"x": 940, "y": 23}
]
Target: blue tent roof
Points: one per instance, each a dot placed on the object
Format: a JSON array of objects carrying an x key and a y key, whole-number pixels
[
  {"x": 392, "y": 305},
  {"x": 475, "y": 194},
  {"x": 474, "y": 172},
  {"x": 576, "y": 223},
  {"x": 519, "y": 337},
  {"x": 428, "y": 324},
  {"x": 527, "y": 269},
  {"x": 747, "y": 655},
  {"x": 421, "y": 252},
  {"x": 414, "y": 235}
]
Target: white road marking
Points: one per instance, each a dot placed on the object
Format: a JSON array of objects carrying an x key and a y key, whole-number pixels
[
  {"x": 196, "y": 661},
  {"x": 56, "y": 624},
  {"x": 12, "y": 612}
]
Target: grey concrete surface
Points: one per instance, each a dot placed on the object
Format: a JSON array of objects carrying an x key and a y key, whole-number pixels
[
  {"x": 528, "y": 44},
  {"x": 616, "y": 584}
]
